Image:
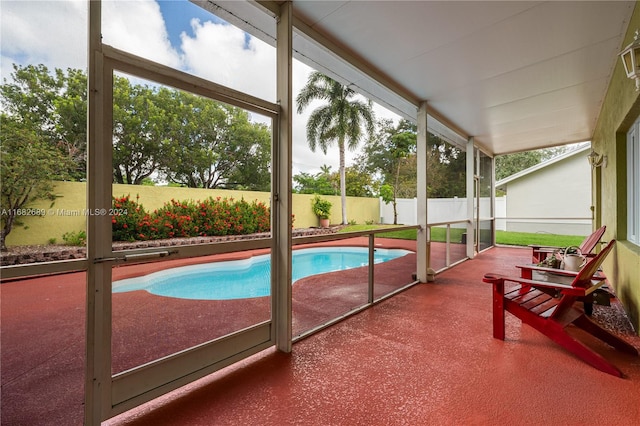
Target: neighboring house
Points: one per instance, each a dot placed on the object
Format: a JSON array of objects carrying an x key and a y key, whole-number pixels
[{"x": 551, "y": 197}]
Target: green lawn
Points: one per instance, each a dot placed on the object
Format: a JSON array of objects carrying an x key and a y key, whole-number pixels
[
  {"x": 524, "y": 239},
  {"x": 502, "y": 237}
]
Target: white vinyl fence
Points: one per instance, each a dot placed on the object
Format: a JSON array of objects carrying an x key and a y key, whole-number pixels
[{"x": 441, "y": 210}]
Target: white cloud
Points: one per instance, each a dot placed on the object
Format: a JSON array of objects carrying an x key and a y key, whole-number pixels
[
  {"x": 218, "y": 52},
  {"x": 138, "y": 27},
  {"x": 48, "y": 32}
]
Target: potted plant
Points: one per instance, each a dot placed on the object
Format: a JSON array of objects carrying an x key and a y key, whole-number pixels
[{"x": 322, "y": 209}]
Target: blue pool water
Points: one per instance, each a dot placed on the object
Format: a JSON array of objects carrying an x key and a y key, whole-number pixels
[{"x": 240, "y": 279}]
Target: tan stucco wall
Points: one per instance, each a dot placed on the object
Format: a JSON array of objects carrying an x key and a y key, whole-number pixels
[
  {"x": 67, "y": 214},
  {"x": 620, "y": 109}
]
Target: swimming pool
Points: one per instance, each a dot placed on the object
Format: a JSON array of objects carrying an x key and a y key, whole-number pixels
[{"x": 246, "y": 278}]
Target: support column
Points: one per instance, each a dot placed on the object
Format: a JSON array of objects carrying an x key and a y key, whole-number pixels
[
  {"x": 99, "y": 171},
  {"x": 471, "y": 199},
  {"x": 596, "y": 199},
  {"x": 424, "y": 273},
  {"x": 281, "y": 186},
  {"x": 493, "y": 200}
]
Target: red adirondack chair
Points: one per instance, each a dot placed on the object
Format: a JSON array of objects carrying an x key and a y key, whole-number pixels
[
  {"x": 550, "y": 307},
  {"x": 539, "y": 253}
]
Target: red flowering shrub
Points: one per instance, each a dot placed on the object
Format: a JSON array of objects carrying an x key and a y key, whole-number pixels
[
  {"x": 176, "y": 219},
  {"x": 211, "y": 217},
  {"x": 127, "y": 217}
]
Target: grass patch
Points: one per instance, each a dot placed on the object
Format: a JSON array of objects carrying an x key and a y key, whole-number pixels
[
  {"x": 440, "y": 234},
  {"x": 525, "y": 239},
  {"x": 437, "y": 234},
  {"x": 502, "y": 237},
  {"x": 407, "y": 234},
  {"x": 357, "y": 228}
]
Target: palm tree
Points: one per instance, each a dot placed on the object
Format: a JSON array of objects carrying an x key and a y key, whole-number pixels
[
  {"x": 325, "y": 169},
  {"x": 340, "y": 120}
]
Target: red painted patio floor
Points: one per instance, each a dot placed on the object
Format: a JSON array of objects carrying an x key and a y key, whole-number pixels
[{"x": 423, "y": 357}]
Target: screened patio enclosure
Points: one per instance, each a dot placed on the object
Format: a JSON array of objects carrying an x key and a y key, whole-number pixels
[{"x": 113, "y": 384}]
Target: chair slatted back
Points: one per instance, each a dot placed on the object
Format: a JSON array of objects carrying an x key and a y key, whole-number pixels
[
  {"x": 583, "y": 279},
  {"x": 590, "y": 242}
]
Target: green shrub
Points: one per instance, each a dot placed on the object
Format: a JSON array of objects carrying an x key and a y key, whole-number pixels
[
  {"x": 75, "y": 238},
  {"x": 321, "y": 207}
]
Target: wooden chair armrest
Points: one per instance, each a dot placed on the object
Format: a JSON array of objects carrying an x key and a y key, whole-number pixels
[
  {"x": 563, "y": 288},
  {"x": 533, "y": 267},
  {"x": 538, "y": 247},
  {"x": 550, "y": 250},
  {"x": 594, "y": 286},
  {"x": 598, "y": 277}
]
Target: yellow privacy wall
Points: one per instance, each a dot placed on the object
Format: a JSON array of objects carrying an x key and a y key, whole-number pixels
[{"x": 44, "y": 223}]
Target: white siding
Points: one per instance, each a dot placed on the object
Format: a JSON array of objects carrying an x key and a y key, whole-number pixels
[{"x": 554, "y": 199}]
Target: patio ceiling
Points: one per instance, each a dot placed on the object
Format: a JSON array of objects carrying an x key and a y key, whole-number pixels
[{"x": 515, "y": 75}]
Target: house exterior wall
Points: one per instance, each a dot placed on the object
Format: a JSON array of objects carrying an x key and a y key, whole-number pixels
[
  {"x": 555, "y": 199},
  {"x": 620, "y": 109}
]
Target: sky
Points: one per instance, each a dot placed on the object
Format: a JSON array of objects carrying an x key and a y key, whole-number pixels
[{"x": 175, "y": 33}]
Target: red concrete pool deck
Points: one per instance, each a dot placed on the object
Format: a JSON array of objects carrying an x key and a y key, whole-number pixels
[{"x": 424, "y": 357}]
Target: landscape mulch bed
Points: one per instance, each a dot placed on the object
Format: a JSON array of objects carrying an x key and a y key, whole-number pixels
[{"x": 21, "y": 255}]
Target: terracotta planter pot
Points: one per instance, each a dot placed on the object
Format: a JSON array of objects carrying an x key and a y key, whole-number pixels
[{"x": 324, "y": 223}]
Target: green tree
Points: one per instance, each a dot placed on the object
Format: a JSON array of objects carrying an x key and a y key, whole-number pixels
[
  {"x": 30, "y": 97},
  {"x": 390, "y": 157},
  {"x": 325, "y": 182},
  {"x": 307, "y": 183},
  {"x": 446, "y": 169},
  {"x": 213, "y": 145},
  {"x": 340, "y": 120},
  {"x": 249, "y": 146},
  {"x": 52, "y": 105},
  {"x": 509, "y": 164},
  {"x": 197, "y": 149},
  {"x": 388, "y": 153},
  {"x": 359, "y": 182},
  {"x": 28, "y": 165},
  {"x": 71, "y": 122},
  {"x": 192, "y": 140},
  {"x": 139, "y": 131},
  {"x": 387, "y": 194}
]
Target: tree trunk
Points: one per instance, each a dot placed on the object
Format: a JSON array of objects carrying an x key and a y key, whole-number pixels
[
  {"x": 395, "y": 194},
  {"x": 395, "y": 211},
  {"x": 118, "y": 175},
  {"x": 343, "y": 183},
  {"x": 8, "y": 225}
]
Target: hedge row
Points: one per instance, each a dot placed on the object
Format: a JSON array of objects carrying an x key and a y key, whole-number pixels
[{"x": 211, "y": 217}]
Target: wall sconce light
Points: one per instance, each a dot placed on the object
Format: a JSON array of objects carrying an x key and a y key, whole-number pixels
[
  {"x": 631, "y": 60},
  {"x": 597, "y": 160}
]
